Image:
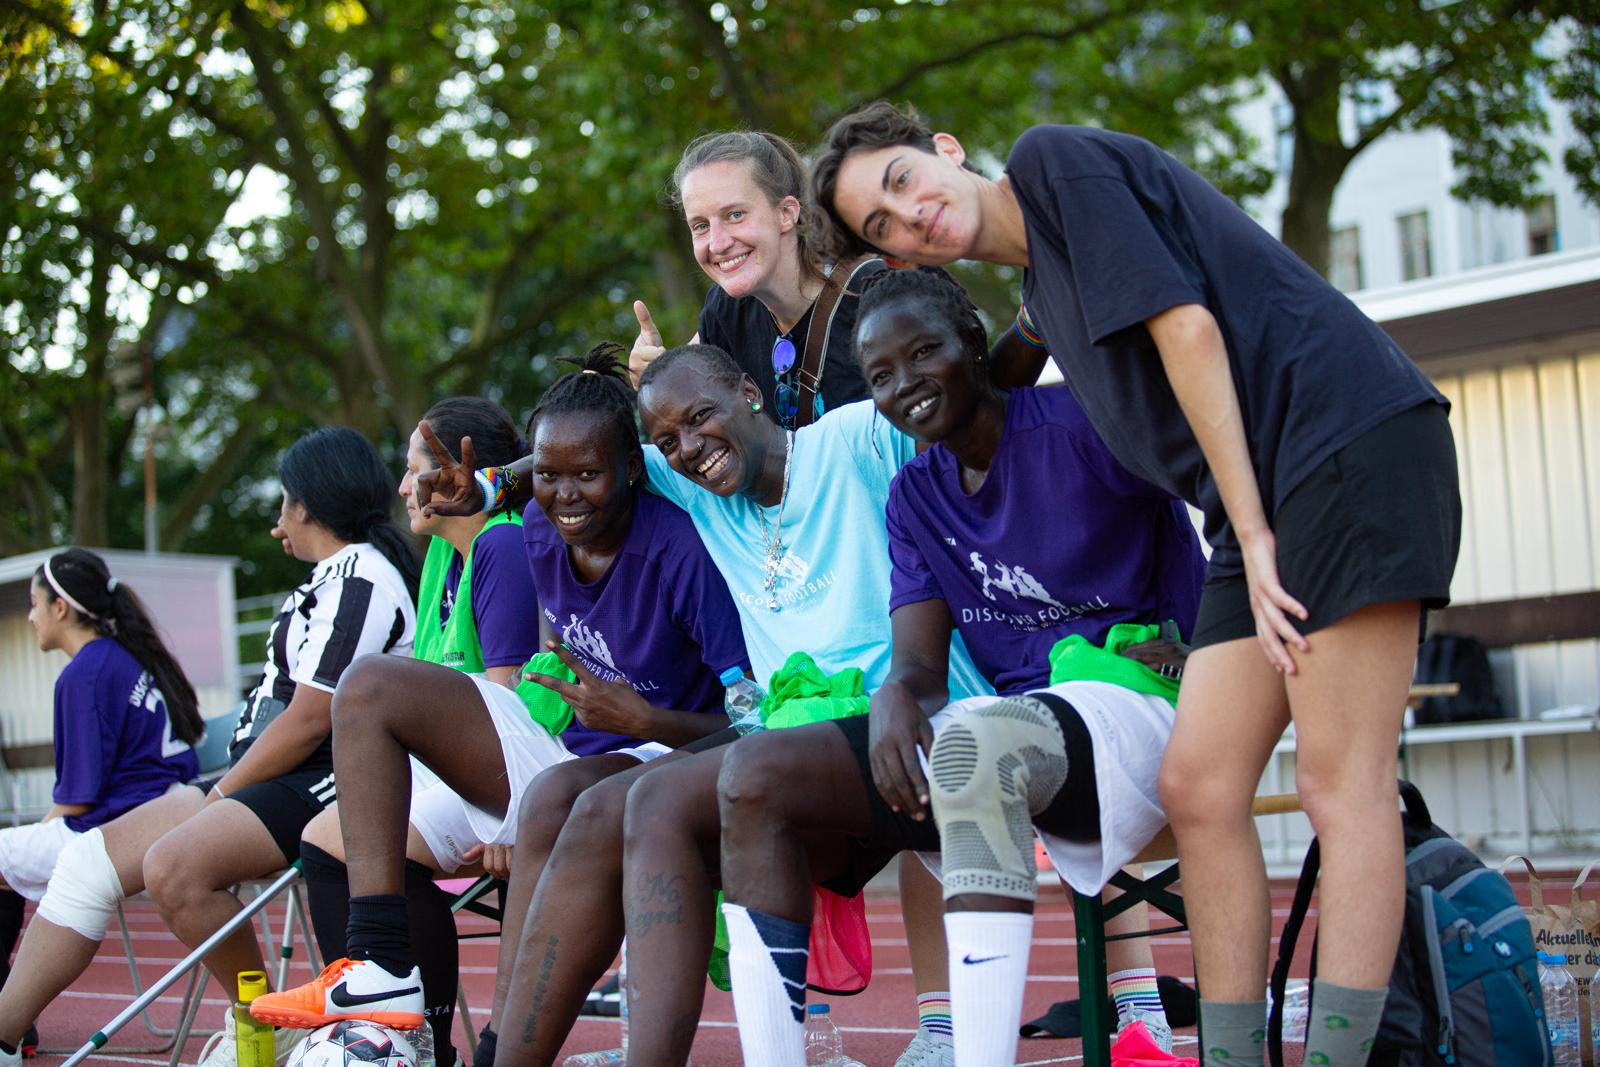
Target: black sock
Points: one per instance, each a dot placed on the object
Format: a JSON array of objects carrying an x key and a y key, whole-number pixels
[
  {"x": 432, "y": 927},
  {"x": 328, "y": 897},
  {"x": 377, "y": 931},
  {"x": 11, "y": 906},
  {"x": 487, "y": 1039}
]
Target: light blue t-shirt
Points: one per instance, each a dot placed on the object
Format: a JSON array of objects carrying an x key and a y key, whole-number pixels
[{"x": 833, "y": 587}]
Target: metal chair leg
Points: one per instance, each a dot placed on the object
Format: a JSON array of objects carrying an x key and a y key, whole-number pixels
[{"x": 138, "y": 983}]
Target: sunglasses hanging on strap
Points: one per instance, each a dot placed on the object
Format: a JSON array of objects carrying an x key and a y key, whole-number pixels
[{"x": 809, "y": 374}]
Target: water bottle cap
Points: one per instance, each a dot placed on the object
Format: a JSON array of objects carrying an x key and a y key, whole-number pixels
[
  {"x": 816, "y": 1009},
  {"x": 731, "y": 675},
  {"x": 252, "y": 984}
]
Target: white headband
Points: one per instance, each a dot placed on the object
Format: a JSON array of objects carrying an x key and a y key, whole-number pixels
[{"x": 63, "y": 594}]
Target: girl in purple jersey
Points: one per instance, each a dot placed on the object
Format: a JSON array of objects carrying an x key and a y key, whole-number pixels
[
  {"x": 190, "y": 845},
  {"x": 646, "y": 626},
  {"x": 126, "y": 721},
  {"x": 1219, "y": 366},
  {"x": 973, "y": 554}
]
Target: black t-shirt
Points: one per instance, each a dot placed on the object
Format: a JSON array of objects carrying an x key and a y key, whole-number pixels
[
  {"x": 745, "y": 329},
  {"x": 1119, "y": 231}
]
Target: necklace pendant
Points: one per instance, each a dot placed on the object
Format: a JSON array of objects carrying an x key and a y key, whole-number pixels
[{"x": 772, "y": 605}]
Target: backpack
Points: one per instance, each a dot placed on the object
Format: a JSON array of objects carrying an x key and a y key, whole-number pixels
[
  {"x": 1465, "y": 987},
  {"x": 1446, "y": 657}
]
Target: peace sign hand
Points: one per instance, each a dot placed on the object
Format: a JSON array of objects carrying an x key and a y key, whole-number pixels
[
  {"x": 448, "y": 489},
  {"x": 647, "y": 347},
  {"x": 613, "y": 707}
]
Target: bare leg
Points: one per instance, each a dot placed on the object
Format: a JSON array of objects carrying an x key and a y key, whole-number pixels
[
  {"x": 572, "y": 928},
  {"x": 671, "y": 850},
  {"x": 386, "y": 707},
  {"x": 922, "y": 907},
  {"x": 544, "y": 811},
  {"x": 1347, "y": 702},
  {"x": 52, "y": 957},
  {"x": 1134, "y": 951},
  {"x": 1231, "y": 711},
  {"x": 190, "y": 870}
]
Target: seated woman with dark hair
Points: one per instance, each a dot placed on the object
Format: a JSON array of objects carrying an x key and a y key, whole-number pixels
[
  {"x": 1088, "y": 578},
  {"x": 646, "y": 629},
  {"x": 126, "y": 721},
  {"x": 190, "y": 845}
]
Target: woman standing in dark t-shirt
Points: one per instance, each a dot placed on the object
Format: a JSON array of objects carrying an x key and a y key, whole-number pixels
[{"x": 1217, "y": 365}]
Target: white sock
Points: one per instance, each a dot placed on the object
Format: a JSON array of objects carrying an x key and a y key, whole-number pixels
[
  {"x": 767, "y": 959},
  {"x": 988, "y": 968}
]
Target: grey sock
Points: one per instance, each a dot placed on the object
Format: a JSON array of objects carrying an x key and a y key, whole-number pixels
[
  {"x": 1233, "y": 1034},
  {"x": 1343, "y": 1023}
]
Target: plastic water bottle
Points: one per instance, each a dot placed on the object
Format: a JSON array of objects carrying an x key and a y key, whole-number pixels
[
  {"x": 422, "y": 1041},
  {"x": 253, "y": 1041},
  {"x": 824, "y": 1043},
  {"x": 596, "y": 1059},
  {"x": 742, "y": 700},
  {"x": 1296, "y": 1009},
  {"x": 1560, "y": 1008}
]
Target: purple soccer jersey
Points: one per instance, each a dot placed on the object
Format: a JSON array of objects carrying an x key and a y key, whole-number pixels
[
  {"x": 660, "y": 618},
  {"x": 1058, "y": 540},
  {"x": 114, "y": 744}
]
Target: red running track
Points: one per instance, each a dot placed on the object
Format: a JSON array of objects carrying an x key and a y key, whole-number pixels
[{"x": 877, "y": 1024}]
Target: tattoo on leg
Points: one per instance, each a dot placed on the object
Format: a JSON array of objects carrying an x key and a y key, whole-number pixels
[
  {"x": 547, "y": 967},
  {"x": 656, "y": 902}
]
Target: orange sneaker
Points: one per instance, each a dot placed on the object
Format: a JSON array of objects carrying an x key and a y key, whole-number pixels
[{"x": 346, "y": 989}]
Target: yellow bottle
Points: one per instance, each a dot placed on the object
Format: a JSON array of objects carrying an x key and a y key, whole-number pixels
[{"x": 253, "y": 1038}]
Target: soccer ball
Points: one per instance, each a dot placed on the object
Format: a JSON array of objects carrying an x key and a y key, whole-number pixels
[{"x": 354, "y": 1041}]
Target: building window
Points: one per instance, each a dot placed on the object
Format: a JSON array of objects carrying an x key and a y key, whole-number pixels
[
  {"x": 1344, "y": 259},
  {"x": 1542, "y": 237},
  {"x": 1416, "y": 253}
]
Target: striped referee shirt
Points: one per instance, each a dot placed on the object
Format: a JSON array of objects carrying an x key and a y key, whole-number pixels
[{"x": 355, "y": 602}]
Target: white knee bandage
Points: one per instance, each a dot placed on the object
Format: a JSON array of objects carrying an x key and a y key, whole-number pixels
[
  {"x": 84, "y": 888},
  {"x": 990, "y": 772}
]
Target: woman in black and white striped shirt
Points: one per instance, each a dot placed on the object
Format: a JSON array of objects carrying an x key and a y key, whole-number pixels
[{"x": 189, "y": 846}]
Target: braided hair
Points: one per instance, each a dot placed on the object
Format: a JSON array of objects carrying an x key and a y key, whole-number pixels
[
  {"x": 494, "y": 436},
  {"x": 941, "y": 292},
  {"x": 110, "y": 609},
  {"x": 338, "y": 477},
  {"x": 597, "y": 387}
]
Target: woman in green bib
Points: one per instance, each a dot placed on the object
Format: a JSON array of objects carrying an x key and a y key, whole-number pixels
[{"x": 476, "y": 614}]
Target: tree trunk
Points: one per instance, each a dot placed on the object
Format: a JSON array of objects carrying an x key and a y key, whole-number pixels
[
  {"x": 1307, "y": 213},
  {"x": 88, "y": 415}
]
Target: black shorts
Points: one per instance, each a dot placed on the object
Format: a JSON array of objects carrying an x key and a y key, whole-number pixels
[
  {"x": 1379, "y": 521},
  {"x": 285, "y": 804},
  {"x": 1074, "y": 813}
]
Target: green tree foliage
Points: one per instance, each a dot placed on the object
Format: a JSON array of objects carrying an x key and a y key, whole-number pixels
[{"x": 314, "y": 211}]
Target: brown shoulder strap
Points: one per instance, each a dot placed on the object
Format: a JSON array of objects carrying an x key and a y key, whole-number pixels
[{"x": 809, "y": 375}]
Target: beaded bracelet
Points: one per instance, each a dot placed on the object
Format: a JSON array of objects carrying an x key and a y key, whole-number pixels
[{"x": 498, "y": 485}]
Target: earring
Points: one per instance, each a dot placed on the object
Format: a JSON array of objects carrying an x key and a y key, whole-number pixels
[{"x": 755, "y": 405}]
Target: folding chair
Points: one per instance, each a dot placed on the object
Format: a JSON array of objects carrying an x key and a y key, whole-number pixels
[
  {"x": 473, "y": 899},
  {"x": 191, "y": 966},
  {"x": 1090, "y": 915}
]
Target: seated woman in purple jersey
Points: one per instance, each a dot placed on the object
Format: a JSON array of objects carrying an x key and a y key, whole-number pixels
[
  {"x": 645, "y": 625},
  {"x": 191, "y": 845},
  {"x": 1028, "y": 587},
  {"x": 126, "y": 721},
  {"x": 476, "y": 613}
]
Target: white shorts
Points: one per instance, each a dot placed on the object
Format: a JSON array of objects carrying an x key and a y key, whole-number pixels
[
  {"x": 449, "y": 825},
  {"x": 1129, "y": 732},
  {"x": 28, "y": 854}
]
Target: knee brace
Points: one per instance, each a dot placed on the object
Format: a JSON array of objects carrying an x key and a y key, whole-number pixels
[
  {"x": 84, "y": 888},
  {"x": 990, "y": 772}
]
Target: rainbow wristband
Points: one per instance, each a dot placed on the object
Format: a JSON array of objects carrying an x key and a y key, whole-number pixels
[
  {"x": 1028, "y": 331},
  {"x": 497, "y": 483}
]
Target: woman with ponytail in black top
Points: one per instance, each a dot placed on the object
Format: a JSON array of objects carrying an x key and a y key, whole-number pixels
[{"x": 191, "y": 844}]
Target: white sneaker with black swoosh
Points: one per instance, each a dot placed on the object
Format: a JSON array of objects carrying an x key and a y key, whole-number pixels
[{"x": 347, "y": 989}]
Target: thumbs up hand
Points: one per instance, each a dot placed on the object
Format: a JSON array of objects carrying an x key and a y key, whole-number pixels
[{"x": 647, "y": 346}]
